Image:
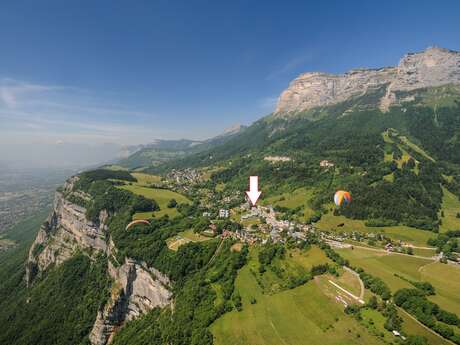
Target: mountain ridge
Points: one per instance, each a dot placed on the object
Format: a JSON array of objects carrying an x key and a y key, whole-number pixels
[{"x": 429, "y": 68}]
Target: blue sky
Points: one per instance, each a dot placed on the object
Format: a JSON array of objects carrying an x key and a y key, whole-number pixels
[{"x": 127, "y": 72}]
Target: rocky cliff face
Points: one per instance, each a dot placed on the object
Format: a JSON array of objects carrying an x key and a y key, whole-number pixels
[
  {"x": 65, "y": 231},
  {"x": 430, "y": 68},
  {"x": 136, "y": 288}
]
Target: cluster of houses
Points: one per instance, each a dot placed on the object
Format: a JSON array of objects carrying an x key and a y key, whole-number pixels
[
  {"x": 184, "y": 178},
  {"x": 241, "y": 235},
  {"x": 272, "y": 228}
]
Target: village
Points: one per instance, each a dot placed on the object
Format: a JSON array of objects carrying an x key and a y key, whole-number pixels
[{"x": 259, "y": 224}]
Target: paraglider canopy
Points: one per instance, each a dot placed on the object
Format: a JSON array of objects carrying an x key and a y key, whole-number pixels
[
  {"x": 342, "y": 198},
  {"x": 139, "y": 221}
]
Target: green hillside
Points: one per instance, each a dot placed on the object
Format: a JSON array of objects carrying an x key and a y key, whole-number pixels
[{"x": 393, "y": 163}]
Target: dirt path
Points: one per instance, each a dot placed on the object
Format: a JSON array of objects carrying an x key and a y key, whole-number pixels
[
  {"x": 216, "y": 253},
  {"x": 347, "y": 292},
  {"x": 421, "y": 268},
  {"x": 418, "y": 247},
  {"x": 361, "y": 284}
]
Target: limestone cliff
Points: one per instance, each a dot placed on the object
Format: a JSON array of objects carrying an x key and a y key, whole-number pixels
[
  {"x": 136, "y": 288},
  {"x": 430, "y": 68},
  {"x": 65, "y": 231}
]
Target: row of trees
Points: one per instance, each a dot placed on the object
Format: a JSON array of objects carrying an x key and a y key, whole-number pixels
[{"x": 430, "y": 314}]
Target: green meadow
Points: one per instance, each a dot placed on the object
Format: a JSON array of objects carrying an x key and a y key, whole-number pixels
[
  {"x": 450, "y": 207},
  {"x": 400, "y": 233},
  {"x": 146, "y": 179},
  {"x": 445, "y": 278},
  {"x": 161, "y": 196},
  {"x": 303, "y": 315},
  {"x": 299, "y": 197},
  {"x": 184, "y": 237}
]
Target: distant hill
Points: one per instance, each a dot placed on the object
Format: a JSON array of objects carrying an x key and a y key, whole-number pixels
[{"x": 161, "y": 151}]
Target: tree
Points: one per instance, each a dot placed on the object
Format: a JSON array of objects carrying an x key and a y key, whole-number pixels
[
  {"x": 373, "y": 302},
  {"x": 236, "y": 299},
  {"x": 172, "y": 203}
]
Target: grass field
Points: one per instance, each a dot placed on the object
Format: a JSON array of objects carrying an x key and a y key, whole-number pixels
[
  {"x": 389, "y": 178},
  {"x": 410, "y": 326},
  {"x": 450, "y": 207},
  {"x": 376, "y": 321},
  {"x": 146, "y": 179},
  {"x": 299, "y": 197},
  {"x": 416, "y": 148},
  {"x": 114, "y": 167},
  {"x": 184, "y": 237},
  {"x": 296, "y": 263},
  {"x": 161, "y": 196},
  {"x": 385, "y": 266},
  {"x": 304, "y": 315},
  {"x": 424, "y": 252},
  {"x": 405, "y": 157},
  {"x": 400, "y": 232},
  {"x": 445, "y": 278},
  {"x": 349, "y": 282}
]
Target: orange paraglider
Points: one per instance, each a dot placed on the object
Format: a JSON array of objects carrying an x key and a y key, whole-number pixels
[
  {"x": 342, "y": 198},
  {"x": 139, "y": 221}
]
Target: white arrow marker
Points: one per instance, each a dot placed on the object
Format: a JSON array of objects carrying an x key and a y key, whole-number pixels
[{"x": 253, "y": 193}]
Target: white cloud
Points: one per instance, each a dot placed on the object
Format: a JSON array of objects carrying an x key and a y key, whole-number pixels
[{"x": 12, "y": 90}]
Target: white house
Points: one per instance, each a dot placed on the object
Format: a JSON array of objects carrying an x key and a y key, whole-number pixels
[{"x": 223, "y": 213}]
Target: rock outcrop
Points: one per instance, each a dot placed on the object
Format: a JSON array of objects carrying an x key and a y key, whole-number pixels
[
  {"x": 136, "y": 288},
  {"x": 430, "y": 68},
  {"x": 65, "y": 231}
]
